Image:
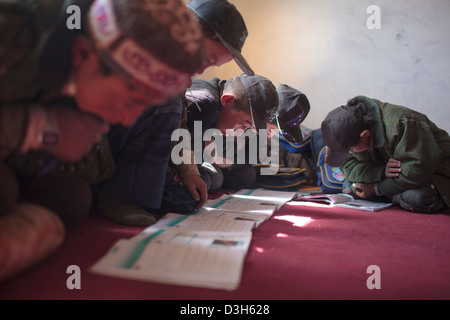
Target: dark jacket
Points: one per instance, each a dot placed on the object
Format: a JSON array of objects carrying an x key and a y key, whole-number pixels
[
  {"x": 410, "y": 137},
  {"x": 35, "y": 63}
]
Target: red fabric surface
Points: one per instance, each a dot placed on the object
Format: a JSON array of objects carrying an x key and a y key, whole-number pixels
[{"x": 302, "y": 252}]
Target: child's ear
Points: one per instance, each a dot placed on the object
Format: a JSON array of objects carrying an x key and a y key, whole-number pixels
[
  {"x": 82, "y": 50},
  {"x": 365, "y": 134},
  {"x": 227, "y": 100}
]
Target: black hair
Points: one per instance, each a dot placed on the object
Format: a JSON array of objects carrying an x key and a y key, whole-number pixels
[{"x": 207, "y": 31}]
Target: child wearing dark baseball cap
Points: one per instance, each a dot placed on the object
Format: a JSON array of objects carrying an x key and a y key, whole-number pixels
[
  {"x": 391, "y": 151},
  {"x": 226, "y": 24},
  {"x": 293, "y": 109}
]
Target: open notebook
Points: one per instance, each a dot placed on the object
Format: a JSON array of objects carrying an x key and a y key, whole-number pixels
[
  {"x": 204, "y": 249},
  {"x": 344, "y": 200}
]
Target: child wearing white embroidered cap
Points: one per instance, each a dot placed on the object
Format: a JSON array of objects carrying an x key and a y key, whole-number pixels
[
  {"x": 59, "y": 89},
  {"x": 225, "y": 34},
  {"x": 144, "y": 57},
  {"x": 155, "y": 46}
]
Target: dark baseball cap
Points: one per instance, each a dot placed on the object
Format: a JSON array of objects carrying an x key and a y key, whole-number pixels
[
  {"x": 292, "y": 110},
  {"x": 263, "y": 98},
  {"x": 228, "y": 24},
  {"x": 341, "y": 130}
]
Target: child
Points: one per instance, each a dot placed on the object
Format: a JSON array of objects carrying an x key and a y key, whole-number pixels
[
  {"x": 371, "y": 140},
  {"x": 59, "y": 89}
]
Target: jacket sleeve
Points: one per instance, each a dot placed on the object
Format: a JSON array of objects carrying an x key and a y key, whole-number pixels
[
  {"x": 359, "y": 167},
  {"x": 419, "y": 152},
  {"x": 141, "y": 154},
  {"x": 17, "y": 39},
  {"x": 13, "y": 124},
  {"x": 414, "y": 145}
]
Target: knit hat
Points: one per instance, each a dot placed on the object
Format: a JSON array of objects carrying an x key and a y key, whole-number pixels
[
  {"x": 152, "y": 43},
  {"x": 228, "y": 24},
  {"x": 292, "y": 110}
]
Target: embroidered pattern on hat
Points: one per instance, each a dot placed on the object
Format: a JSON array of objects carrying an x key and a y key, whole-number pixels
[
  {"x": 106, "y": 27},
  {"x": 179, "y": 20},
  {"x": 147, "y": 68},
  {"x": 295, "y": 121},
  {"x": 271, "y": 113},
  {"x": 128, "y": 58}
]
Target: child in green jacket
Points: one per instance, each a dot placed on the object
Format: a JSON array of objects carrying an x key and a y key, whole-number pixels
[{"x": 392, "y": 151}]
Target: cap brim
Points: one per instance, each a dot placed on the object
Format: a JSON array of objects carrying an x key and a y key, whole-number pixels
[
  {"x": 293, "y": 109},
  {"x": 257, "y": 121},
  {"x": 240, "y": 60},
  {"x": 335, "y": 158},
  {"x": 296, "y": 132}
]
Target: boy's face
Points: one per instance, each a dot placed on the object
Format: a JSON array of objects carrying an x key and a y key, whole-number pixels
[
  {"x": 233, "y": 119},
  {"x": 109, "y": 96},
  {"x": 217, "y": 54},
  {"x": 272, "y": 128},
  {"x": 363, "y": 144}
]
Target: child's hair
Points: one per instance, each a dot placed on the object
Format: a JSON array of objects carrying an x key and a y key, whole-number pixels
[
  {"x": 207, "y": 31},
  {"x": 235, "y": 86}
]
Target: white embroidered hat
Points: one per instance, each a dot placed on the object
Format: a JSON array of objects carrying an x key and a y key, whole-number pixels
[{"x": 154, "y": 44}]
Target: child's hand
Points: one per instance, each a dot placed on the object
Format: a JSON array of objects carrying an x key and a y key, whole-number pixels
[
  {"x": 393, "y": 168},
  {"x": 364, "y": 190},
  {"x": 197, "y": 188}
]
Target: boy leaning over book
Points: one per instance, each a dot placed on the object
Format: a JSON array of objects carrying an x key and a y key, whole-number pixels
[
  {"x": 60, "y": 88},
  {"x": 392, "y": 151}
]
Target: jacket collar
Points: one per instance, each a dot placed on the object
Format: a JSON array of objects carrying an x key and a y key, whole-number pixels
[{"x": 378, "y": 130}]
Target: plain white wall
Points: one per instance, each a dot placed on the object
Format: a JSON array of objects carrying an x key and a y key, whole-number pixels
[{"x": 325, "y": 49}]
